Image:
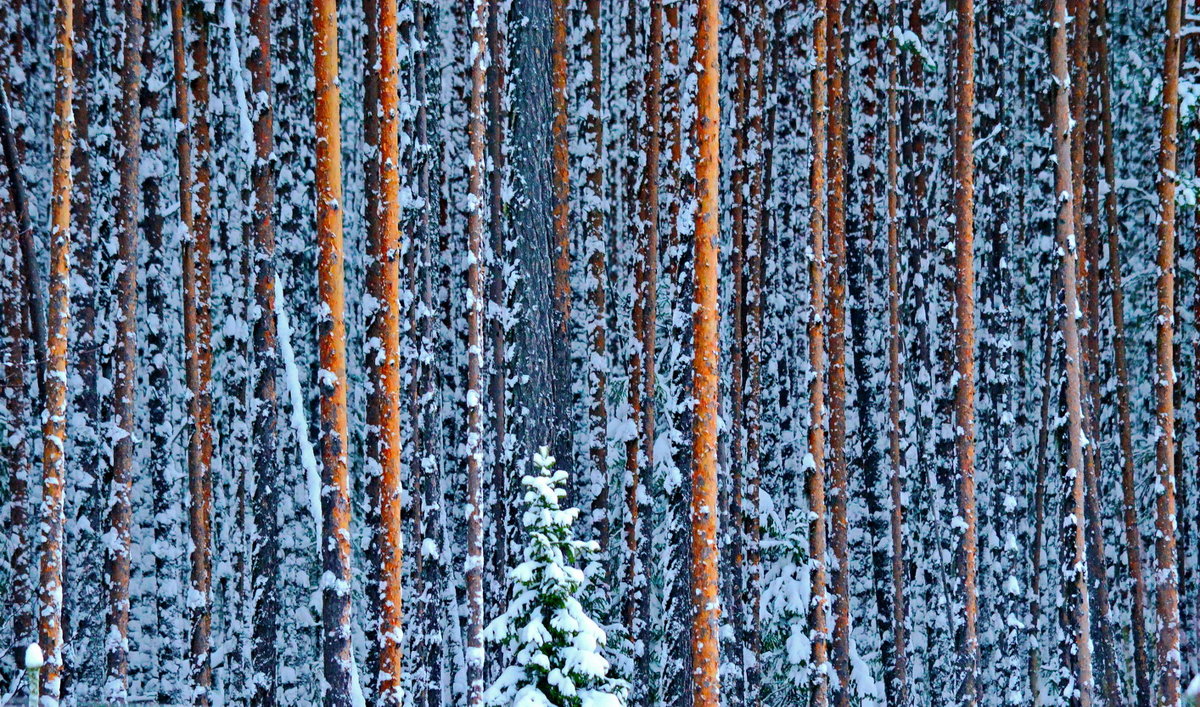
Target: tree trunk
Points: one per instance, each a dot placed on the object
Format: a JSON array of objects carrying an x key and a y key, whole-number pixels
[
  {"x": 29, "y": 268},
  {"x": 17, "y": 453},
  {"x": 966, "y": 560},
  {"x": 429, "y": 567},
  {"x": 502, "y": 465},
  {"x": 1166, "y": 572},
  {"x": 595, "y": 242},
  {"x": 383, "y": 362},
  {"x": 705, "y": 553},
  {"x": 54, "y": 420},
  {"x": 818, "y": 623},
  {"x": 836, "y": 313},
  {"x": 476, "y": 118},
  {"x": 1077, "y": 647},
  {"x": 753, "y": 329},
  {"x": 640, "y": 449},
  {"x": 124, "y": 365},
  {"x": 1133, "y": 535},
  {"x": 197, "y": 326},
  {"x": 335, "y": 481},
  {"x": 1041, "y": 466},
  {"x": 561, "y": 173},
  {"x": 897, "y": 671},
  {"x": 266, "y": 552}
]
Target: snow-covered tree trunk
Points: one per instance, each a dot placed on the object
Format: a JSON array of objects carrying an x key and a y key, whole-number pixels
[
  {"x": 1166, "y": 571},
  {"x": 58, "y": 317},
  {"x": 120, "y": 508},
  {"x": 1077, "y": 648}
]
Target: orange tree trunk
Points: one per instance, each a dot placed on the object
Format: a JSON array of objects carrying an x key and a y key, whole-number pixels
[
  {"x": 1077, "y": 649},
  {"x": 966, "y": 637},
  {"x": 1166, "y": 572},
  {"x": 124, "y": 365},
  {"x": 383, "y": 360},
  {"x": 54, "y": 419},
  {"x": 560, "y": 169},
  {"x": 475, "y": 215},
  {"x": 836, "y": 162},
  {"x": 335, "y": 481},
  {"x": 818, "y": 617},
  {"x": 705, "y": 553}
]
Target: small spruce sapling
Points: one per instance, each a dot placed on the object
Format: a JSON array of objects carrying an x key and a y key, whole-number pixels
[{"x": 557, "y": 661}]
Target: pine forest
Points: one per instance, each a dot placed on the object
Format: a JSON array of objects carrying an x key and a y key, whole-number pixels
[{"x": 600, "y": 353}]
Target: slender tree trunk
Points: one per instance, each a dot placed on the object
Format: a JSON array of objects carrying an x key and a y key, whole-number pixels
[
  {"x": 561, "y": 171},
  {"x": 967, "y": 561},
  {"x": 17, "y": 453},
  {"x": 29, "y": 268},
  {"x": 1105, "y": 640},
  {"x": 81, "y": 612},
  {"x": 753, "y": 327},
  {"x": 158, "y": 360},
  {"x": 863, "y": 344},
  {"x": 594, "y": 245},
  {"x": 897, "y": 678},
  {"x": 374, "y": 345},
  {"x": 183, "y": 152},
  {"x": 1077, "y": 649},
  {"x": 54, "y": 420},
  {"x": 1133, "y": 535},
  {"x": 1166, "y": 571},
  {"x": 818, "y": 623},
  {"x": 197, "y": 276},
  {"x": 560, "y": 199},
  {"x": 335, "y": 481},
  {"x": 836, "y": 313},
  {"x": 640, "y": 450},
  {"x": 705, "y": 553},
  {"x": 502, "y": 497},
  {"x": 383, "y": 362},
  {"x": 264, "y": 502},
  {"x": 476, "y": 118},
  {"x": 120, "y": 508},
  {"x": 427, "y": 647},
  {"x": 739, "y": 188},
  {"x": 1041, "y": 466}
]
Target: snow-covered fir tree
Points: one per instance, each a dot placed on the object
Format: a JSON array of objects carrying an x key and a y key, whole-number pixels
[{"x": 557, "y": 658}]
